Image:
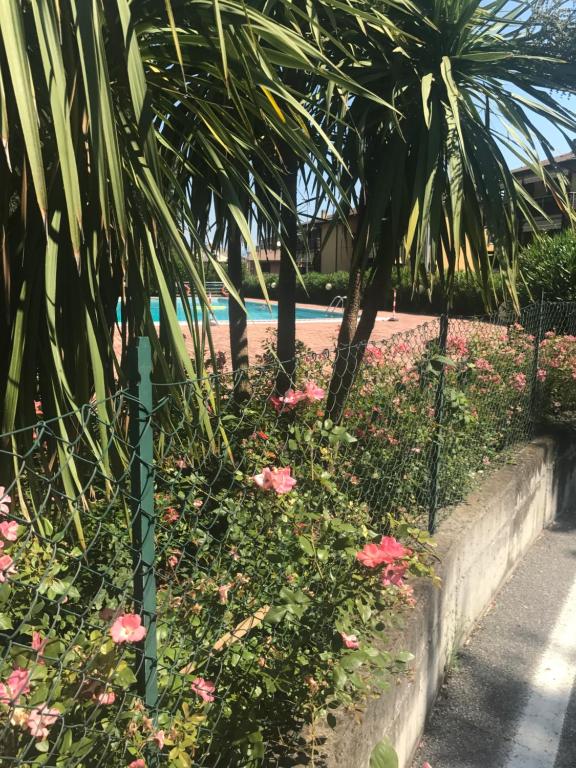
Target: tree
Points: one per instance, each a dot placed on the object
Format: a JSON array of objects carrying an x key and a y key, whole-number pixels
[
  {"x": 110, "y": 139},
  {"x": 432, "y": 171},
  {"x": 553, "y": 25},
  {"x": 267, "y": 116},
  {"x": 237, "y": 316}
]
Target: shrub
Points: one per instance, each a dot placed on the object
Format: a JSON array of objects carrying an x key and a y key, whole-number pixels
[
  {"x": 549, "y": 265},
  {"x": 313, "y": 292},
  {"x": 275, "y": 597},
  {"x": 467, "y": 298}
]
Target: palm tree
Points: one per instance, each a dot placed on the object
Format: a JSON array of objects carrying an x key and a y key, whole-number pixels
[
  {"x": 432, "y": 172},
  {"x": 100, "y": 201},
  {"x": 265, "y": 127}
]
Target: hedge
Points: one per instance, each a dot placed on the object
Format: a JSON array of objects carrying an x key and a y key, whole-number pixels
[
  {"x": 549, "y": 265},
  {"x": 467, "y": 299}
]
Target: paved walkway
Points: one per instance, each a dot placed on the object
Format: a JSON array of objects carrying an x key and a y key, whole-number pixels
[{"x": 510, "y": 699}]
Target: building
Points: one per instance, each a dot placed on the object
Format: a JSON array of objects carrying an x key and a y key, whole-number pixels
[
  {"x": 323, "y": 246},
  {"x": 335, "y": 244},
  {"x": 268, "y": 255},
  {"x": 326, "y": 246},
  {"x": 565, "y": 164}
]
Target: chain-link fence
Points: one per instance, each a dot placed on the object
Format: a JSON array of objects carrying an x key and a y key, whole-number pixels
[{"x": 178, "y": 580}]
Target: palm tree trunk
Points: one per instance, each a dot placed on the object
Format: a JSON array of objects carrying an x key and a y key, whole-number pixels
[
  {"x": 361, "y": 247},
  {"x": 286, "y": 346},
  {"x": 237, "y": 324},
  {"x": 349, "y": 358},
  {"x": 352, "y": 308}
]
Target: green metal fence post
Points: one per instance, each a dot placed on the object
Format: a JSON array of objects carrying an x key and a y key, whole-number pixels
[
  {"x": 538, "y": 336},
  {"x": 435, "y": 452},
  {"x": 143, "y": 515}
]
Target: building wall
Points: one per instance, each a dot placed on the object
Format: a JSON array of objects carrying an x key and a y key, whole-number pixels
[
  {"x": 558, "y": 221},
  {"x": 269, "y": 260},
  {"x": 336, "y": 246}
]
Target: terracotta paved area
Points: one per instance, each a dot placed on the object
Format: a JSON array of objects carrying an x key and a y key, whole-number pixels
[{"x": 317, "y": 335}]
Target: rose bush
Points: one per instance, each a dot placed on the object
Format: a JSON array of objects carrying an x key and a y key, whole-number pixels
[{"x": 286, "y": 555}]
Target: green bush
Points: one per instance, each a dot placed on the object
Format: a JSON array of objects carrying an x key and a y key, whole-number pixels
[
  {"x": 549, "y": 264},
  {"x": 272, "y": 609},
  {"x": 314, "y": 290},
  {"x": 467, "y": 297}
]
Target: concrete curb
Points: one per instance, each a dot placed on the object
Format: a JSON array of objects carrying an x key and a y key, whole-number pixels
[{"x": 479, "y": 545}]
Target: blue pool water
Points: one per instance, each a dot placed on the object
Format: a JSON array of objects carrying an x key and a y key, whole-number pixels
[{"x": 257, "y": 311}]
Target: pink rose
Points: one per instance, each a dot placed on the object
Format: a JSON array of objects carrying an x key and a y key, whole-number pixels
[
  {"x": 9, "y": 530},
  {"x": 392, "y": 549},
  {"x": 40, "y": 719},
  {"x": 159, "y": 737},
  {"x": 282, "y": 480},
  {"x": 174, "y": 558},
  {"x": 389, "y": 549},
  {"x": 6, "y": 567},
  {"x": 313, "y": 391},
  {"x": 140, "y": 763},
  {"x": 38, "y": 643},
  {"x": 483, "y": 365},
  {"x": 370, "y": 556},
  {"x": 350, "y": 641},
  {"x": 203, "y": 688},
  {"x": 128, "y": 629},
  {"x": 458, "y": 344},
  {"x": 18, "y": 682},
  {"x": 264, "y": 479},
  {"x": 171, "y": 515},
  {"x": 373, "y": 354},
  {"x": 105, "y": 698},
  {"x": 518, "y": 381},
  {"x": 279, "y": 480},
  {"x": 288, "y": 401},
  {"x": 393, "y": 574}
]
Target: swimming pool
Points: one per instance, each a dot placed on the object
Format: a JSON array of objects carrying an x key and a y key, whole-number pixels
[{"x": 257, "y": 311}]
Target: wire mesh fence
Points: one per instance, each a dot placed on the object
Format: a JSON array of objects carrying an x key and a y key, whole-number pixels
[{"x": 178, "y": 574}]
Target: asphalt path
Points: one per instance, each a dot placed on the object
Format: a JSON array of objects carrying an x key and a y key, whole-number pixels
[{"x": 509, "y": 700}]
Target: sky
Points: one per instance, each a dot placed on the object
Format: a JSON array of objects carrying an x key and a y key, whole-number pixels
[{"x": 553, "y": 135}]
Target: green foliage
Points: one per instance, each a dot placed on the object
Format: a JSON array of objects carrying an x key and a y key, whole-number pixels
[
  {"x": 383, "y": 756},
  {"x": 549, "y": 265},
  {"x": 446, "y": 180},
  {"x": 313, "y": 290},
  {"x": 125, "y": 128},
  {"x": 260, "y": 594},
  {"x": 554, "y": 24},
  {"x": 466, "y": 299}
]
